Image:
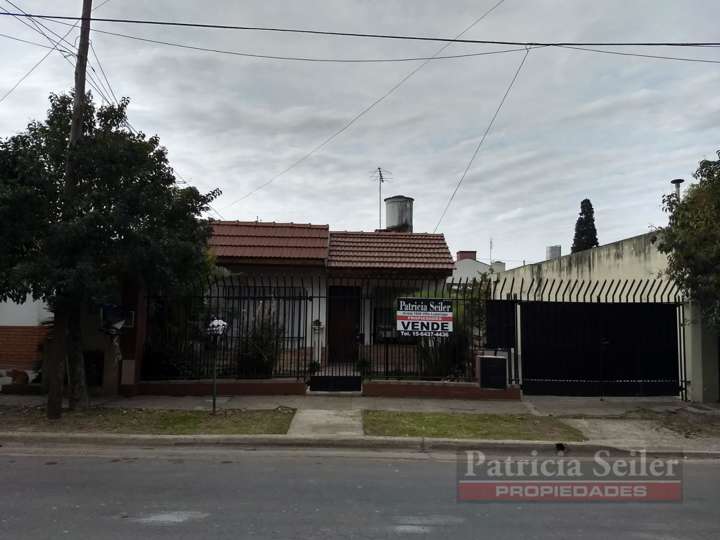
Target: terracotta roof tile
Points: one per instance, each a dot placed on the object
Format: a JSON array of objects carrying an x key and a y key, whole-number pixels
[
  {"x": 314, "y": 244},
  {"x": 272, "y": 241},
  {"x": 389, "y": 250}
]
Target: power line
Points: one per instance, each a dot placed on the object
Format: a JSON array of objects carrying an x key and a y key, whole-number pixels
[
  {"x": 362, "y": 112},
  {"x": 640, "y": 55},
  {"x": 296, "y": 58},
  {"x": 112, "y": 92},
  {"x": 358, "y": 60},
  {"x": 37, "y": 26},
  {"x": 93, "y": 83},
  {"x": 55, "y": 45},
  {"x": 27, "y": 74},
  {"x": 373, "y": 36},
  {"x": 21, "y": 40},
  {"x": 354, "y": 60},
  {"x": 37, "y": 64},
  {"x": 482, "y": 140}
]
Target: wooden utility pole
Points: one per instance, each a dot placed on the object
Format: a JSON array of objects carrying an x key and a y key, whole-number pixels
[
  {"x": 80, "y": 71},
  {"x": 62, "y": 345}
]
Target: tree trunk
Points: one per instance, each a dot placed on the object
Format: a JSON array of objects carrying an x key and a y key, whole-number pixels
[
  {"x": 78, "y": 394},
  {"x": 55, "y": 366}
]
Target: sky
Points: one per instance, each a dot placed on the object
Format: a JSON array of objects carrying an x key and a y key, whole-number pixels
[{"x": 576, "y": 124}]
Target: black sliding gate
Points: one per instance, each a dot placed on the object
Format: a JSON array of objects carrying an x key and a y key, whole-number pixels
[
  {"x": 592, "y": 338},
  {"x": 599, "y": 349}
]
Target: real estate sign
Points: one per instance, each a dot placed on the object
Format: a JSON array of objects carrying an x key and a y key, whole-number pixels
[{"x": 424, "y": 317}]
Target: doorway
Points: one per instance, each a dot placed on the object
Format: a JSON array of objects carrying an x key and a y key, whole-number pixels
[{"x": 344, "y": 334}]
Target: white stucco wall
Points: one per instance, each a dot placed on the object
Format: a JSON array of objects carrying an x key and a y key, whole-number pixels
[{"x": 468, "y": 269}]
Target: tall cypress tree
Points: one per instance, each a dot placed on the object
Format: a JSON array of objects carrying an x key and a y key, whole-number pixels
[{"x": 585, "y": 232}]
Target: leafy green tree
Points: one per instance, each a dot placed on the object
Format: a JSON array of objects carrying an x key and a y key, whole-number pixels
[
  {"x": 692, "y": 239},
  {"x": 124, "y": 220},
  {"x": 585, "y": 231}
]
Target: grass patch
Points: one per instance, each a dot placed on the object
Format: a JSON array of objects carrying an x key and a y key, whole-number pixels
[
  {"x": 468, "y": 426},
  {"x": 147, "y": 421}
]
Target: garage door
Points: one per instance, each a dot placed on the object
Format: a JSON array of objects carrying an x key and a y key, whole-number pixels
[{"x": 591, "y": 349}]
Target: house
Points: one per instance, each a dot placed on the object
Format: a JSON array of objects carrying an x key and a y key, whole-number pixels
[
  {"x": 608, "y": 321},
  {"x": 330, "y": 295},
  {"x": 467, "y": 267},
  {"x": 21, "y": 336}
]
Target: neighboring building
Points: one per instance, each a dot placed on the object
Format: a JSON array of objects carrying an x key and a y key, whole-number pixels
[
  {"x": 553, "y": 252},
  {"x": 21, "y": 335},
  {"x": 610, "y": 314},
  {"x": 467, "y": 267}
]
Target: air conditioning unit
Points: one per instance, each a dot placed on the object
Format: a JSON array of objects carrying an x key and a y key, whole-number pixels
[{"x": 492, "y": 369}]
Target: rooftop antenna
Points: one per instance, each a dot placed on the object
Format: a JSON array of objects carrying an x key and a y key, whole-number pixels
[
  {"x": 491, "y": 246},
  {"x": 380, "y": 175}
]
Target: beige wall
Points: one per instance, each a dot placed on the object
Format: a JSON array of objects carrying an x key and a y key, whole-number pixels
[{"x": 634, "y": 258}]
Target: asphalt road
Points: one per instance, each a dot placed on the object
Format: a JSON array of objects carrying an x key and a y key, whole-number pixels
[{"x": 218, "y": 493}]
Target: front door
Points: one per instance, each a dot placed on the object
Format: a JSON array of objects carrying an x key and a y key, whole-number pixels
[{"x": 343, "y": 325}]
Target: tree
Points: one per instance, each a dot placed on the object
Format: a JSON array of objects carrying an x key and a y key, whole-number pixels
[
  {"x": 125, "y": 219},
  {"x": 585, "y": 232},
  {"x": 692, "y": 239}
]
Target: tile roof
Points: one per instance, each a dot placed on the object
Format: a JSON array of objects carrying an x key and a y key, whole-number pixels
[
  {"x": 270, "y": 242},
  {"x": 389, "y": 250}
]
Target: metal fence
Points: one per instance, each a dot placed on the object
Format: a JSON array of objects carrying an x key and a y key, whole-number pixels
[
  {"x": 312, "y": 328},
  {"x": 560, "y": 336}
]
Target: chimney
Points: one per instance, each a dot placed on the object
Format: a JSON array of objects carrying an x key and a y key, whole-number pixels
[
  {"x": 553, "y": 252},
  {"x": 466, "y": 256},
  {"x": 399, "y": 213}
]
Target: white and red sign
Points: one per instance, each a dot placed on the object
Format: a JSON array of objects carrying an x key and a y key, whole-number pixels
[
  {"x": 602, "y": 477},
  {"x": 424, "y": 317}
]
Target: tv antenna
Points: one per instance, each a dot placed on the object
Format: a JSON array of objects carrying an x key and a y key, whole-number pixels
[{"x": 381, "y": 176}]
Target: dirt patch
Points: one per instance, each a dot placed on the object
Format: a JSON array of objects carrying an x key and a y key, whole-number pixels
[
  {"x": 147, "y": 421},
  {"x": 690, "y": 425}
]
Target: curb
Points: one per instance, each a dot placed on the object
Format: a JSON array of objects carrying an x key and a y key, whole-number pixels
[{"x": 418, "y": 444}]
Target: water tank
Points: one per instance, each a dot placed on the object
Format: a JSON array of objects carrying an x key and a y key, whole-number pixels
[
  {"x": 399, "y": 213},
  {"x": 553, "y": 252}
]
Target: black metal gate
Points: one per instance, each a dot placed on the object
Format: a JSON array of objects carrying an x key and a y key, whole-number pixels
[
  {"x": 590, "y": 338},
  {"x": 599, "y": 349}
]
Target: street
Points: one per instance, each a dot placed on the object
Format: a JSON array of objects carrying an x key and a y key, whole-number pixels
[{"x": 119, "y": 493}]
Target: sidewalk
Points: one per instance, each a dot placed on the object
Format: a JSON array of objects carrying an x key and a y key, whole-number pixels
[
  {"x": 538, "y": 405},
  {"x": 315, "y": 402},
  {"x": 332, "y": 420}
]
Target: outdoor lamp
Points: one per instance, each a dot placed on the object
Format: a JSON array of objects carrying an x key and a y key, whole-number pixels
[{"x": 217, "y": 327}]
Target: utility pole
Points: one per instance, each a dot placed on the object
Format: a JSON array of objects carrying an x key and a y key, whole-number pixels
[
  {"x": 66, "y": 333},
  {"x": 80, "y": 71}
]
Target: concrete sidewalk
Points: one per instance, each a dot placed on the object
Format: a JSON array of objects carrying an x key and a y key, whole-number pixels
[
  {"x": 538, "y": 405},
  {"x": 324, "y": 418},
  {"x": 332, "y": 402}
]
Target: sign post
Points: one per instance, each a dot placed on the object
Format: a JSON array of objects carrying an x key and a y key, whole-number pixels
[{"x": 424, "y": 317}]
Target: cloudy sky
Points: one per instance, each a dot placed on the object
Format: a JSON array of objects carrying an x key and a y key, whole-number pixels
[{"x": 577, "y": 124}]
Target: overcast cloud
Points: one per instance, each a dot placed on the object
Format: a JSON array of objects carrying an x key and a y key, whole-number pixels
[{"x": 577, "y": 124}]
